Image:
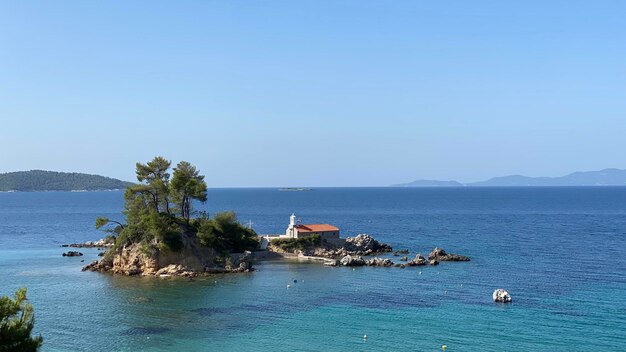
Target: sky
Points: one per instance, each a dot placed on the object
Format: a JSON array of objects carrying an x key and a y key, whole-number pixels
[{"x": 314, "y": 93}]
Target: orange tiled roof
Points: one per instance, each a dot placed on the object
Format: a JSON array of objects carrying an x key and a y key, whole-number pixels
[{"x": 316, "y": 228}]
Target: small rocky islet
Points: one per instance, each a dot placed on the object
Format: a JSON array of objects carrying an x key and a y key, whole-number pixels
[
  {"x": 160, "y": 237},
  {"x": 361, "y": 250}
]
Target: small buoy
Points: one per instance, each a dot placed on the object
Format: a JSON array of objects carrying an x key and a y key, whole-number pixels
[
  {"x": 444, "y": 347},
  {"x": 420, "y": 273},
  {"x": 364, "y": 337},
  {"x": 353, "y": 269},
  {"x": 288, "y": 286},
  {"x": 295, "y": 281},
  {"x": 148, "y": 337}
]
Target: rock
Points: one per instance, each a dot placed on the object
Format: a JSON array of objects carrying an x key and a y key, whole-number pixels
[
  {"x": 174, "y": 270},
  {"x": 331, "y": 262},
  {"x": 101, "y": 254},
  {"x": 402, "y": 266},
  {"x": 93, "y": 266},
  {"x": 418, "y": 261},
  {"x": 378, "y": 262},
  {"x": 501, "y": 296},
  {"x": 352, "y": 261},
  {"x": 72, "y": 254},
  {"x": 402, "y": 251},
  {"x": 133, "y": 270},
  {"x": 364, "y": 243},
  {"x": 244, "y": 261},
  {"x": 433, "y": 262},
  {"x": 404, "y": 259},
  {"x": 440, "y": 255},
  {"x": 101, "y": 243}
]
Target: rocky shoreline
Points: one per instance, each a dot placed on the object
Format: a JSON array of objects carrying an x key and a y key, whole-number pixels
[
  {"x": 354, "y": 250},
  {"x": 102, "y": 243},
  {"x": 241, "y": 263},
  {"x": 434, "y": 257},
  {"x": 360, "y": 245},
  {"x": 361, "y": 250}
]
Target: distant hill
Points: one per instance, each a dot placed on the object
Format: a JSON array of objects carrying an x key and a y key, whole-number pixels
[
  {"x": 39, "y": 180},
  {"x": 606, "y": 177},
  {"x": 430, "y": 183}
]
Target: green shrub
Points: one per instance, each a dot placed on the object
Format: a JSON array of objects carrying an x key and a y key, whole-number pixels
[
  {"x": 225, "y": 234},
  {"x": 302, "y": 243}
]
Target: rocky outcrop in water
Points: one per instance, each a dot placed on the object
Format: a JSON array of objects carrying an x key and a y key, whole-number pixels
[
  {"x": 417, "y": 261},
  {"x": 379, "y": 262},
  {"x": 361, "y": 245},
  {"x": 364, "y": 243},
  {"x": 191, "y": 260},
  {"x": 175, "y": 270},
  {"x": 352, "y": 261},
  {"x": 438, "y": 254},
  {"x": 72, "y": 254},
  {"x": 101, "y": 243}
]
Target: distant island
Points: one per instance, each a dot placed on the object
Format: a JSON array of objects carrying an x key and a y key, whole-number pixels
[
  {"x": 40, "y": 180},
  {"x": 606, "y": 177}
]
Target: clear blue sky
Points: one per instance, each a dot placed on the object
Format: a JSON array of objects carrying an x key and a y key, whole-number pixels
[{"x": 314, "y": 93}]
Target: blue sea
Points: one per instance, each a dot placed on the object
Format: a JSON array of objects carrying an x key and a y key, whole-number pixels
[{"x": 561, "y": 252}]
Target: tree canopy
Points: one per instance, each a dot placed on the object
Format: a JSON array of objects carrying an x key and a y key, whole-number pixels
[
  {"x": 159, "y": 211},
  {"x": 17, "y": 320}
]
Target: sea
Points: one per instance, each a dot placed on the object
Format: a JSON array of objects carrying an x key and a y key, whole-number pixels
[{"x": 560, "y": 252}]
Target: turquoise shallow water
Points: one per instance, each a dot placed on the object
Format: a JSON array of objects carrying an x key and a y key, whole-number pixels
[{"x": 560, "y": 251}]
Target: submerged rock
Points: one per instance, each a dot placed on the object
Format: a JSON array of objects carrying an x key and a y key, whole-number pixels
[
  {"x": 439, "y": 254},
  {"x": 501, "y": 296},
  {"x": 72, "y": 254}
]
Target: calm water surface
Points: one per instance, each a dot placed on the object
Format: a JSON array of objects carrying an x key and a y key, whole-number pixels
[{"x": 560, "y": 251}]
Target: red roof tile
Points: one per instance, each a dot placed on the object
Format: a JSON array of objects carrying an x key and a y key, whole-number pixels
[{"x": 316, "y": 228}]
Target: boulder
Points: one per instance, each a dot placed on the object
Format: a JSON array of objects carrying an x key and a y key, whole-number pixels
[
  {"x": 501, "y": 296},
  {"x": 245, "y": 261},
  {"x": 72, "y": 254},
  {"x": 365, "y": 243},
  {"x": 101, "y": 243},
  {"x": 433, "y": 262},
  {"x": 378, "y": 262},
  {"x": 418, "y": 261},
  {"x": 331, "y": 262},
  {"x": 404, "y": 259},
  {"x": 440, "y": 255},
  {"x": 352, "y": 261},
  {"x": 93, "y": 266},
  {"x": 174, "y": 270}
]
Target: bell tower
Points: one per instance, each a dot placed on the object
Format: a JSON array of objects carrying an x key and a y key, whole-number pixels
[{"x": 291, "y": 231}]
